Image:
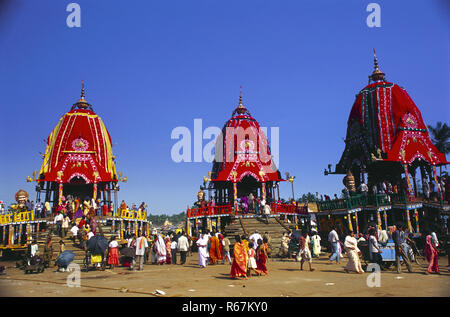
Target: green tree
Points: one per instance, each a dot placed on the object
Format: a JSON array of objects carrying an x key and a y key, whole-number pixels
[
  {"x": 310, "y": 197},
  {"x": 158, "y": 220},
  {"x": 439, "y": 136}
]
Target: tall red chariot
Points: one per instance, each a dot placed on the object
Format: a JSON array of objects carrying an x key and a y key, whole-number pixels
[
  {"x": 243, "y": 166},
  {"x": 387, "y": 141},
  {"x": 243, "y": 161},
  {"x": 387, "y": 137},
  {"x": 78, "y": 158}
]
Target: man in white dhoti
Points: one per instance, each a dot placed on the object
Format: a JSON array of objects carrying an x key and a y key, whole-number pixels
[
  {"x": 285, "y": 245},
  {"x": 203, "y": 254},
  {"x": 304, "y": 253},
  {"x": 316, "y": 244},
  {"x": 160, "y": 248},
  {"x": 351, "y": 247},
  {"x": 141, "y": 246}
]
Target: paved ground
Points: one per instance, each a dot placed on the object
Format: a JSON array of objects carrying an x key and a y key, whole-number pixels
[{"x": 284, "y": 279}]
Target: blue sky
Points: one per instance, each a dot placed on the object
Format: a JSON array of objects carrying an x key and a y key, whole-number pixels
[{"x": 151, "y": 66}]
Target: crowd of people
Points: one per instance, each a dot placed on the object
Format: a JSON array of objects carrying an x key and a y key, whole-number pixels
[
  {"x": 430, "y": 189},
  {"x": 255, "y": 204},
  {"x": 80, "y": 217},
  {"x": 246, "y": 204},
  {"x": 307, "y": 247},
  {"x": 249, "y": 255},
  {"x": 70, "y": 206},
  {"x": 158, "y": 249},
  {"x": 404, "y": 247}
]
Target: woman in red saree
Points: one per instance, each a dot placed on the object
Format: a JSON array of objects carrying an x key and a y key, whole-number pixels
[
  {"x": 261, "y": 256},
  {"x": 214, "y": 249},
  {"x": 240, "y": 260},
  {"x": 431, "y": 253}
]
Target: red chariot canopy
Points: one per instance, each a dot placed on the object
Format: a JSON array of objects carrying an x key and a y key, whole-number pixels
[
  {"x": 385, "y": 125},
  {"x": 242, "y": 150},
  {"x": 393, "y": 123},
  {"x": 79, "y": 149}
]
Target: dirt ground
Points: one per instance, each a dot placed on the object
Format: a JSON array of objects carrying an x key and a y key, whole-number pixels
[{"x": 284, "y": 280}]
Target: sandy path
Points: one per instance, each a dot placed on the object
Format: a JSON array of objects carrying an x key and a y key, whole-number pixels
[{"x": 285, "y": 279}]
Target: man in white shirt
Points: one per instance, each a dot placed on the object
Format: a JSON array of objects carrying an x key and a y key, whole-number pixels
[
  {"x": 141, "y": 246},
  {"x": 34, "y": 248},
  {"x": 364, "y": 189},
  {"x": 74, "y": 231},
  {"x": 174, "y": 249},
  {"x": 255, "y": 237},
  {"x": 37, "y": 209},
  {"x": 374, "y": 249},
  {"x": 333, "y": 238},
  {"x": 183, "y": 247},
  {"x": 58, "y": 221}
]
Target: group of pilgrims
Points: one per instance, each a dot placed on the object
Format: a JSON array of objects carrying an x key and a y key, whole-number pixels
[
  {"x": 249, "y": 255},
  {"x": 157, "y": 249}
]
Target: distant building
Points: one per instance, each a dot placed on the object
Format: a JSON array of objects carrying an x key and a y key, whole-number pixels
[{"x": 167, "y": 223}]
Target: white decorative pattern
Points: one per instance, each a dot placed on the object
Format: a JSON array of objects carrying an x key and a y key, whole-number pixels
[{"x": 80, "y": 144}]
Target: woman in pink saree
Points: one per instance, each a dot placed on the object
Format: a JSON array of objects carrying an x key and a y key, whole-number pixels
[{"x": 431, "y": 253}]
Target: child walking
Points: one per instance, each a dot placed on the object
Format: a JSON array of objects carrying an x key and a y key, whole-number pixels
[{"x": 251, "y": 260}]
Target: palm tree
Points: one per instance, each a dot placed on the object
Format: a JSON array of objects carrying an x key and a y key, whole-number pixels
[{"x": 439, "y": 136}]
